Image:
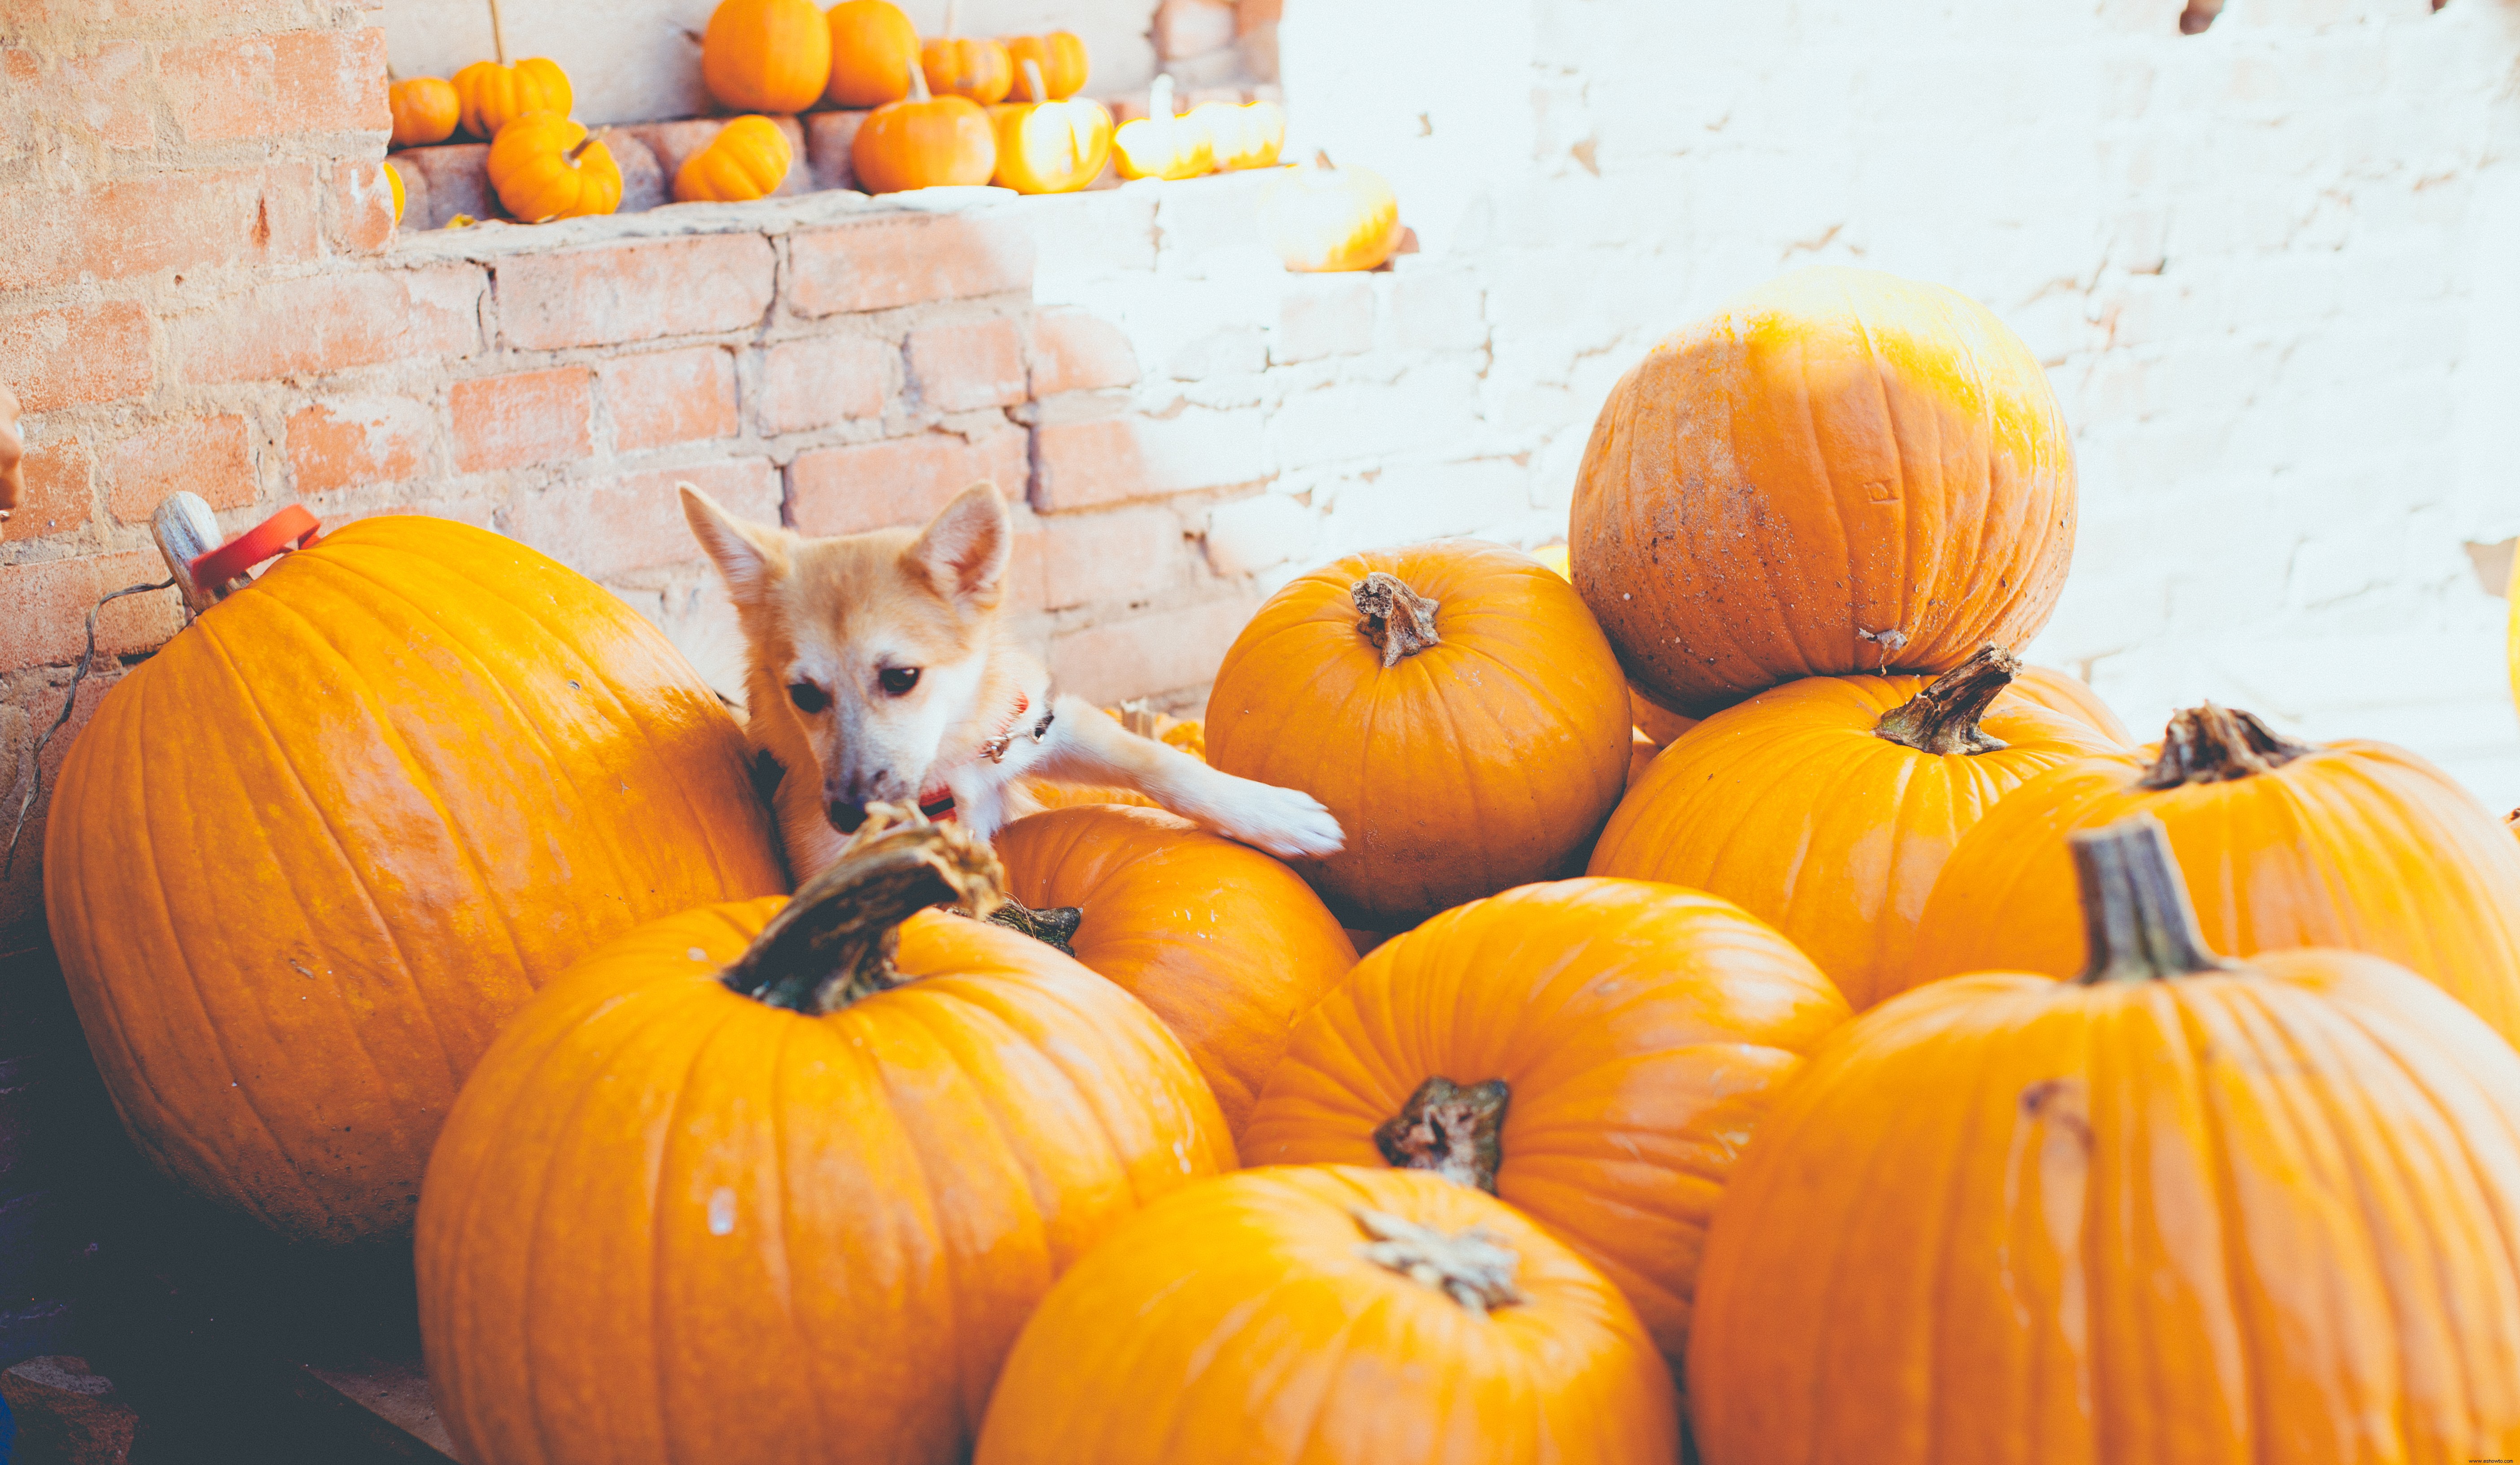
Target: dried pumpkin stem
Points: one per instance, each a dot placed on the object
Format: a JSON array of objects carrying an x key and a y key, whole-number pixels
[
  {"x": 2212, "y": 744},
  {"x": 1456, "y": 1133},
  {"x": 1033, "y": 83},
  {"x": 1050, "y": 926},
  {"x": 498, "y": 35},
  {"x": 2136, "y": 919},
  {"x": 833, "y": 941},
  {"x": 1942, "y": 717},
  {"x": 1397, "y": 619},
  {"x": 1475, "y": 1268}
]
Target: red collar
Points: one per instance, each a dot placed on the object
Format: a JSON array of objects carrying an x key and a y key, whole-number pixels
[{"x": 937, "y": 802}]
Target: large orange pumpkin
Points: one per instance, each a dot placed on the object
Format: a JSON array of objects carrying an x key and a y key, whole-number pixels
[
  {"x": 311, "y": 855},
  {"x": 782, "y": 1180},
  {"x": 766, "y": 54},
  {"x": 1829, "y": 805},
  {"x": 874, "y": 49},
  {"x": 2357, "y": 845},
  {"x": 1451, "y": 703},
  {"x": 924, "y": 142},
  {"x": 491, "y": 94},
  {"x": 1332, "y": 1316},
  {"x": 2178, "y": 1211},
  {"x": 1228, "y": 945},
  {"x": 1594, "y": 1051},
  {"x": 1839, "y": 471}
]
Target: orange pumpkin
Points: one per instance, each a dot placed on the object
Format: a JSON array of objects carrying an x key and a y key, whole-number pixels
[
  {"x": 2061, "y": 692},
  {"x": 766, "y": 54},
  {"x": 309, "y": 855},
  {"x": 1657, "y": 724},
  {"x": 1839, "y": 471},
  {"x": 874, "y": 49},
  {"x": 393, "y": 180},
  {"x": 1593, "y": 1051},
  {"x": 2358, "y": 845},
  {"x": 1243, "y": 136},
  {"x": 869, "y": 1131},
  {"x": 2178, "y": 1209},
  {"x": 1829, "y": 805},
  {"x": 1329, "y": 218},
  {"x": 1049, "y": 146},
  {"x": 426, "y": 110},
  {"x": 972, "y": 66},
  {"x": 1062, "y": 57},
  {"x": 492, "y": 94},
  {"x": 1228, "y": 945},
  {"x": 545, "y": 166},
  {"x": 1161, "y": 144},
  {"x": 749, "y": 159},
  {"x": 1450, "y": 703},
  {"x": 925, "y": 142},
  {"x": 1332, "y": 1316}
]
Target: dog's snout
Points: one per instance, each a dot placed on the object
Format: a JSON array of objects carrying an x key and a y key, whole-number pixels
[{"x": 845, "y": 815}]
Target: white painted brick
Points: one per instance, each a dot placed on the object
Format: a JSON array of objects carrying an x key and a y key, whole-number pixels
[
  {"x": 1322, "y": 315},
  {"x": 1255, "y": 533}
]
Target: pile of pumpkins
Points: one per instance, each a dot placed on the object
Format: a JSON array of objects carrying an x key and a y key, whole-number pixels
[{"x": 1788, "y": 1021}]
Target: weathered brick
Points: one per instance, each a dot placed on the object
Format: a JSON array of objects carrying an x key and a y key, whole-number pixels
[
  {"x": 1124, "y": 554},
  {"x": 1105, "y": 461},
  {"x": 300, "y": 81},
  {"x": 616, "y": 526},
  {"x": 51, "y": 600},
  {"x": 902, "y": 481},
  {"x": 58, "y": 472},
  {"x": 828, "y": 137},
  {"x": 1322, "y": 315},
  {"x": 332, "y": 323},
  {"x": 642, "y": 289},
  {"x": 359, "y": 208},
  {"x": 1193, "y": 27},
  {"x": 1167, "y": 648},
  {"x": 76, "y": 354},
  {"x": 968, "y": 365},
  {"x": 892, "y": 261},
  {"x": 523, "y": 418},
  {"x": 184, "y": 221},
  {"x": 208, "y": 456},
  {"x": 1255, "y": 533},
  {"x": 824, "y": 380},
  {"x": 351, "y": 441},
  {"x": 449, "y": 180},
  {"x": 1437, "y": 310},
  {"x": 662, "y": 397},
  {"x": 107, "y": 94},
  {"x": 1074, "y": 351}
]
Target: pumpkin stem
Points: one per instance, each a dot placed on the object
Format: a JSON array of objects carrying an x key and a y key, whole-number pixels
[
  {"x": 1942, "y": 717},
  {"x": 1032, "y": 81},
  {"x": 584, "y": 143},
  {"x": 498, "y": 35},
  {"x": 2136, "y": 915},
  {"x": 1050, "y": 926},
  {"x": 833, "y": 941},
  {"x": 1397, "y": 619},
  {"x": 1456, "y": 1133},
  {"x": 1321, "y": 159},
  {"x": 2212, "y": 744},
  {"x": 1472, "y": 1267},
  {"x": 919, "y": 80}
]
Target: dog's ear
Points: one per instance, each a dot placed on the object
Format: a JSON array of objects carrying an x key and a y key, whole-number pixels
[
  {"x": 750, "y": 557},
  {"x": 964, "y": 550}
]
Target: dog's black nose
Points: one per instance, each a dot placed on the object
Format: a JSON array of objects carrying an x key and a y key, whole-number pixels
[{"x": 845, "y": 816}]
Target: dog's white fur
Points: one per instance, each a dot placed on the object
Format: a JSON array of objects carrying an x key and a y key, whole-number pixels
[{"x": 835, "y": 626}]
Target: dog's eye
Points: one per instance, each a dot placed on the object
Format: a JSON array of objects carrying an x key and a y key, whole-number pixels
[
  {"x": 807, "y": 696},
  {"x": 897, "y": 681}
]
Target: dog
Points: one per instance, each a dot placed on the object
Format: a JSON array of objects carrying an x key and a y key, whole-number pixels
[{"x": 880, "y": 672}]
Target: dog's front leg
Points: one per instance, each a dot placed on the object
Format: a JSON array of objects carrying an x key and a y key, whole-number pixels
[{"x": 1085, "y": 746}]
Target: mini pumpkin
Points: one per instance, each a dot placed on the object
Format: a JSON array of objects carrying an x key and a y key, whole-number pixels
[
  {"x": 925, "y": 142},
  {"x": 974, "y": 66},
  {"x": 1325, "y": 1315},
  {"x": 1242, "y": 136},
  {"x": 492, "y": 94},
  {"x": 1450, "y": 703},
  {"x": 1593, "y": 1051},
  {"x": 1161, "y": 144},
  {"x": 545, "y": 166},
  {"x": 2177, "y": 1209},
  {"x": 874, "y": 49},
  {"x": 747, "y": 159},
  {"x": 871, "y": 1130},
  {"x": 1046, "y": 147},
  {"x": 766, "y": 54},
  {"x": 1062, "y": 57},
  {"x": 426, "y": 110},
  {"x": 393, "y": 181},
  {"x": 1327, "y": 218}
]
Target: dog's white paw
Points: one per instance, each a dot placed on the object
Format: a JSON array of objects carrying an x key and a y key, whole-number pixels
[{"x": 1287, "y": 822}]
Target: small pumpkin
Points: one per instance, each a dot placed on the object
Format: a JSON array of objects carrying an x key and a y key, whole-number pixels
[
  {"x": 871, "y": 1132},
  {"x": 1828, "y": 806},
  {"x": 766, "y": 54},
  {"x": 393, "y": 181},
  {"x": 874, "y": 49},
  {"x": 545, "y": 166},
  {"x": 1840, "y": 472},
  {"x": 1046, "y": 147},
  {"x": 1332, "y": 1316},
  {"x": 2357, "y": 845},
  {"x": 1593, "y": 1051},
  {"x": 426, "y": 110},
  {"x": 1062, "y": 57},
  {"x": 1161, "y": 144},
  {"x": 1245, "y": 135},
  {"x": 1327, "y": 218},
  {"x": 925, "y": 142},
  {"x": 2062, "y": 691},
  {"x": 972, "y": 66},
  {"x": 1226, "y": 945},
  {"x": 308, "y": 857},
  {"x": 1450, "y": 703},
  {"x": 2177, "y": 1209},
  {"x": 747, "y": 159},
  {"x": 492, "y": 94}
]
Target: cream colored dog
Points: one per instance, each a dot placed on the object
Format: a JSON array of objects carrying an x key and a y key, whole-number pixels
[{"x": 881, "y": 671}]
